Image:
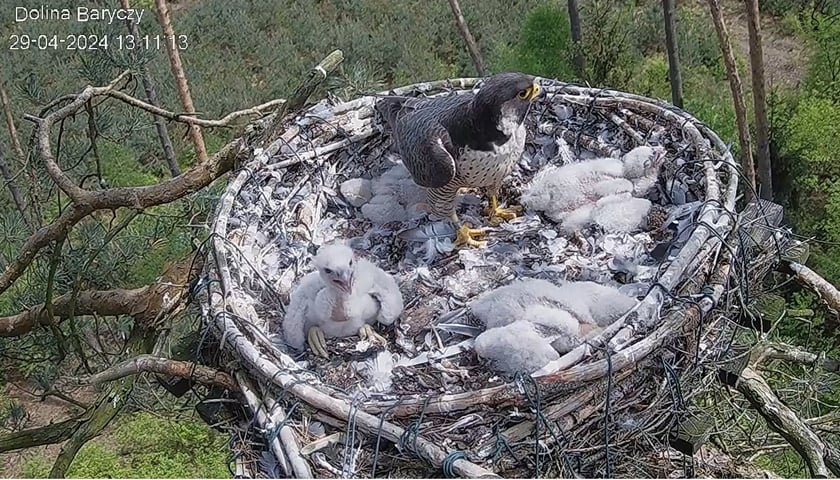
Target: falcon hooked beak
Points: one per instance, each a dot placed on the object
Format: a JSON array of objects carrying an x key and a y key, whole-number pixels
[{"x": 531, "y": 93}]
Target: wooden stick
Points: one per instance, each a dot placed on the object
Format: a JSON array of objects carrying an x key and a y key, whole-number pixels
[
  {"x": 176, "y": 368},
  {"x": 811, "y": 279},
  {"x": 823, "y": 460},
  {"x": 265, "y": 421}
]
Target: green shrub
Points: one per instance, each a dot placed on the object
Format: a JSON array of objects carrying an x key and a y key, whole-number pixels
[
  {"x": 147, "y": 446},
  {"x": 545, "y": 45},
  {"x": 824, "y": 69},
  {"x": 35, "y": 467}
]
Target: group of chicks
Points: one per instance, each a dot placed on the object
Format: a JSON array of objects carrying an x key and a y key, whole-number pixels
[
  {"x": 604, "y": 191},
  {"x": 474, "y": 140},
  {"x": 528, "y": 323}
]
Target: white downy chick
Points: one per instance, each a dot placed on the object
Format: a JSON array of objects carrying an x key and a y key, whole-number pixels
[
  {"x": 342, "y": 298},
  {"x": 620, "y": 213},
  {"x": 587, "y": 302},
  {"x": 601, "y": 305},
  {"x": 641, "y": 166},
  {"x": 556, "y": 191},
  {"x": 557, "y": 325},
  {"x": 516, "y": 347},
  {"x": 395, "y": 197},
  {"x": 509, "y": 303},
  {"x": 567, "y": 194}
]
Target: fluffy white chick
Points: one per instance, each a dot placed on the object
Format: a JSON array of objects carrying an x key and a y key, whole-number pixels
[
  {"x": 641, "y": 166},
  {"x": 342, "y": 298},
  {"x": 594, "y": 303},
  {"x": 566, "y": 194},
  {"x": 516, "y": 347},
  {"x": 395, "y": 197},
  {"x": 556, "y": 191},
  {"x": 587, "y": 302},
  {"x": 620, "y": 213}
]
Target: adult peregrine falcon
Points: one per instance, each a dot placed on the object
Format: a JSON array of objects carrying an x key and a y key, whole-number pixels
[{"x": 468, "y": 140}]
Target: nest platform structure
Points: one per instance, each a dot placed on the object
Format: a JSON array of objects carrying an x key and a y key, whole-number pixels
[{"x": 612, "y": 407}]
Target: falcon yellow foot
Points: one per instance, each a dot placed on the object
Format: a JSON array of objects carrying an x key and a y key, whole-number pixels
[
  {"x": 498, "y": 214},
  {"x": 368, "y": 333},
  {"x": 317, "y": 342},
  {"x": 465, "y": 237}
]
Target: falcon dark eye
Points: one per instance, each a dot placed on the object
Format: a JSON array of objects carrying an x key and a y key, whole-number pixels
[
  {"x": 328, "y": 271},
  {"x": 524, "y": 94}
]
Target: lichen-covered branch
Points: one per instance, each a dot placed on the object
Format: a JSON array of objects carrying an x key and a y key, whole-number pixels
[
  {"x": 822, "y": 459},
  {"x": 811, "y": 279},
  {"x": 35, "y": 437},
  {"x": 176, "y": 368},
  {"x": 789, "y": 353},
  {"x": 146, "y": 304}
]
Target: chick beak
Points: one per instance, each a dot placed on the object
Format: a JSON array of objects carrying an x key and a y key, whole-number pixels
[
  {"x": 536, "y": 92},
  {"x": 345, "y": 281}
]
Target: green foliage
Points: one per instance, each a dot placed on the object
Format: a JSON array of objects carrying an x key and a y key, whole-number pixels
[
  {"x": 147, "y": 446},
  {"x": 122, "y": 168},
  {"x": 545, "y": 45},
  {"x": 824, "y": 72},
  {"x": 35, "y": 467}
]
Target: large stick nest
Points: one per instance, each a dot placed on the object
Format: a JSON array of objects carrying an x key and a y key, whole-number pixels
[{"x": 589, "y": 413}]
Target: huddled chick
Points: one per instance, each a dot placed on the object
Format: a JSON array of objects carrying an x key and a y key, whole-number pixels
[
  {"x": 342, "y": 298},
  {"x": 531, "y": 322},
  {"x": 569, "y": 195},
  {"x": 391, "y": 197}
]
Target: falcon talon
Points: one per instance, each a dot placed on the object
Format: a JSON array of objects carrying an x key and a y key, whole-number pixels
[
  {"x": 465, "y": 237},
  {"x": 368, "y": 333},
  {"x": 317, "y": 342}
]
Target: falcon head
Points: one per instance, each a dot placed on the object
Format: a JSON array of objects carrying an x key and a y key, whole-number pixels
[
  {"x": 507, "y": 94},
  {"x": 336, "y": 264}
]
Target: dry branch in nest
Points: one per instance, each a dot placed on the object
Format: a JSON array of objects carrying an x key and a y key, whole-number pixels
[{"x": 285, "y": 200}]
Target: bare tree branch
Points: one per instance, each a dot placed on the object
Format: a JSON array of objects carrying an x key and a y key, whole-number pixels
[
  {"x": 151, "y": 96},
  {"x": 191, "y": 119},
  {"x": 146, "y": 304},
  {"x": 165, "y": 366},
  {"x": 789, "y": 353},
  {"x": 823, "y": 460},
  {"x": 762, "y": 125},
  {"x": 472, "y": 46},
  {"x": 811, "y": 279},
  {"x": 180, "y": 77},
  {"x": 737, "y": 97}
]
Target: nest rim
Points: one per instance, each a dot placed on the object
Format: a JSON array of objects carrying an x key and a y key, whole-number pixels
[{"x": 575, "y": 369}]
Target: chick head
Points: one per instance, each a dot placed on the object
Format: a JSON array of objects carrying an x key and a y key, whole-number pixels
[
  {"x": 336, "y": 264},
  {"x": 642, "y": 161}
]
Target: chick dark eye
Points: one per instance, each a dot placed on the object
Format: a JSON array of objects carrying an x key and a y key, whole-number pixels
[{"x": 328, "y": 271}]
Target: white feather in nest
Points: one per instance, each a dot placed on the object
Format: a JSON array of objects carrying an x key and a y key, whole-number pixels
[{"x": 377, "y": 371}]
